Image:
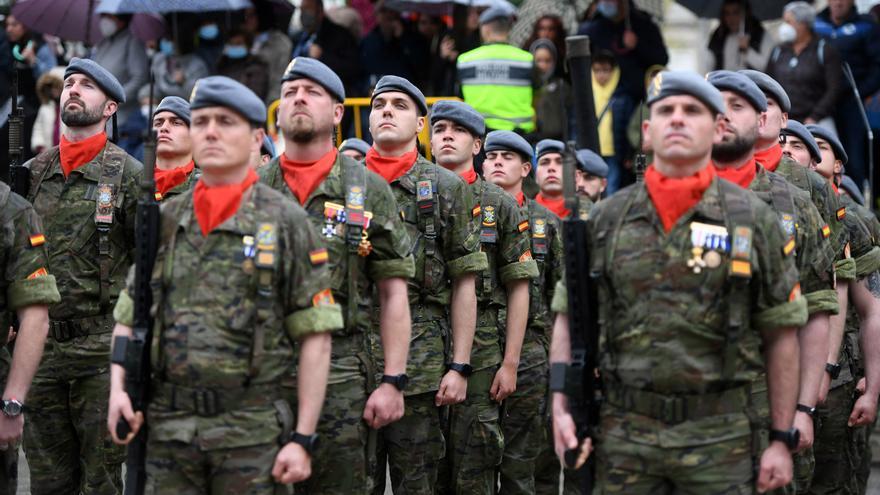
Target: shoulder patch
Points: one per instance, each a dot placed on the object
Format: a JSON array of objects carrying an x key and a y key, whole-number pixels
[
  {"x": 39, "y": 272},
  {"x": 789, "y": 247},
  {"x": 523, "y": 226},
  {"x": 826, "y": 231},
  {"x": 37, "y": 240},
  {"x": 841, "y": 213},
  {"x": 318, "y": 256},
  {"x": 323, "y": 298}
]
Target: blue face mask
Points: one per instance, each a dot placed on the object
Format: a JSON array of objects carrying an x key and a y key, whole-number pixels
[
  {"x": 209, "y": 32},
  {"x": 166, "y": 47},
  {"x": 607, "y": 9},
  {"x": 235, "y": 51}
]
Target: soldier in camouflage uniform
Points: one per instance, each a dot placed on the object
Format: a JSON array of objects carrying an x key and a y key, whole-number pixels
[
  {"x": 26, "y": 291},
  {"x": 548, "y": 176},
  {"x": 369, "y": 249},
  {"x": 435, "y": 205},
  {"x": 175, "y": 168},
  {"x": 523, "y": 422},
  {"x": 845, "y": 417},
  {"x": 693, "y": 284},
  {"x": 240, "y": 280},
  {"x": 85, "y": 190},
  {"x": 474, "y": 442},
  {"x": 734, "y": 160}
]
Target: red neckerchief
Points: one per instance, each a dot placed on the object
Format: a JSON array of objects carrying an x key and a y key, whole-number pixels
[
  {"x": 76, "y": 154},
  {"x": 167, "y": 180},
  {"x": 836, "y": 189},
  {"x": 672, "y": 197},
  {"x": 520, "y": 199},
  {"x": 770, "y": 157},
  {"x": 470, "y": 176},
  {"x": 215, "y": 205},
  {"x": 304, "y": 177},
  {"x": 742, "y": 176},
  {"x": 390, "y": 167},
  {"x": 557, "y": 206}
]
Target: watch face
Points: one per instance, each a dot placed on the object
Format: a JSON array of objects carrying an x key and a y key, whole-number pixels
[{"x": 11, "y": 408}]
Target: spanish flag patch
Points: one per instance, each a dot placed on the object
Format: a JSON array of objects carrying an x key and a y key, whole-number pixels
[
  {"x": 789, "y": 247},
  {"x": 841, "y": 213},
  {"x": 476, "y": 211},
  {"x": 40, "y": 272},
  {"x": 523, "y": 226},
  {"x": 158, "y": 196},
  {"x": 826, "y": 231},
  {"x": 37, "y": 240},
  {"x": 323, "y": 298},
  {"x": 318, "y": 256},
  {"x": 795, "y": 292}
]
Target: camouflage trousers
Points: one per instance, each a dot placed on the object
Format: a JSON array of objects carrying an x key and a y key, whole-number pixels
[
  {"x": 414, "y": 447},
  {"x": 344, "y": 462},
  {"x": 9, "y": 470},
  {"x": 474, "y": 442},
  {"x": 547, "y": 466},
  {"x": 66, "y": 441},
  {"x": 863, "y": 449},
  {"x": 522, "y": 422},
  {"x": 836, "y": 446},
  {"x": 183, "y": 468}
]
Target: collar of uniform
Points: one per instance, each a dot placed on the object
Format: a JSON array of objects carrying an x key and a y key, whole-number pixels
[
  {"x": 91, "y": 170},
  {"x": 236, "y": 224},
  {"x": 761, "y": 183},
  {"x": 408, "y": 180},
  {"x": 707, "y": 208}
]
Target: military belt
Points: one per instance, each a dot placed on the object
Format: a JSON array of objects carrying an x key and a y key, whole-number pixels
[
  {"x": 204, "y": 401},
  {"x": 420, "y": 313},
  {"x": 673, "y": 409},
  {"x": 64, "y": 330}
]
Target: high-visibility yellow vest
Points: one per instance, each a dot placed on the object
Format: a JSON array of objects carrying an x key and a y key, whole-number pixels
[{"x": 496, "y": 80}]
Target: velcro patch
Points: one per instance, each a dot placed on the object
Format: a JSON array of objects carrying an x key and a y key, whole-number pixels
[
  {"x": 826, "y": 231},
  {"x": 39, "y": 272},
  {"x": 323, "y": 298},
  {"x": 523, "y": 226},
  {"x": 789, "y": 247},
  {"x": 476, "y": 211},
  {"x": 318, "y": 256},
  {"x": 37, "y": 240},
  {"x": 795, "y": 292},
  {"x": 526, "y": 256},
  {"x": 741, "y": 268},
  {"x": 841, "y": 213}
]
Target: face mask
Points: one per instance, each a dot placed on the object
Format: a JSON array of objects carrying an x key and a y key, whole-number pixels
[
  {"x": 166, "y": 47},
  {"x": 209, "y": 32},
  {"x": 607, "y": 9},
  {"x": 786, "y": 33},
  {"x": 107, "y": 26},
  {"x": 308, "y": 20},
  {"x": 150, "y": 52},
  {"x": 235, "y": 51},
  {"x": 145, "y": 111}
]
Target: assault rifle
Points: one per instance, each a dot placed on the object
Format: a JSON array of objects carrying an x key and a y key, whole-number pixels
[{"x": 19, "y": 176}]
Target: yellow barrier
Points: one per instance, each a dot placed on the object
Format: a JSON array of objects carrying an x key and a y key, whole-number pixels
[{"x": 355, "y": 105}]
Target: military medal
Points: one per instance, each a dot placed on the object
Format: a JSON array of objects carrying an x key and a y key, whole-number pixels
[
  {"x": 249, "y": 252},
  {"x": 707, "y": 241},
  {"x": 712, "y": 259},
  {"x": 365, "y": 247}
]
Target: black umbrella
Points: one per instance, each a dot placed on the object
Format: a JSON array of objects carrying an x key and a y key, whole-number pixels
[{"x": 764, "y": 10}]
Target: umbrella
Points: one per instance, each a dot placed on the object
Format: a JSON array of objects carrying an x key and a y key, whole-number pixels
[
  {"x": 67, "y": 19},
  {"x": 764, "y": 10},
  {"x": 441, "y": 7},
  {"x": 135, "y": 6}
]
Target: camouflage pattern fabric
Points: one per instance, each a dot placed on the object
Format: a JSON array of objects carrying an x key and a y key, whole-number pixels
[
  {"x": 215, "y": 328},
  {"x": 651, "y": 354},
  {"x": 344, "y": 462},
  {"x": 66, "y": 440},
  {"x": 835, "y": 448}
]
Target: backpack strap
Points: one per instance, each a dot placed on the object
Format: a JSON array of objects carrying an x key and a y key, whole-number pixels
[
  {"x": 112, "y": 167},
  {"x": 355, "y": 183},
  {"x": 488, "y": 230},
  {"x": 783, "y": 204},
  {"x": 264, "y": 245},
  {"x": 426, "y": 202}
]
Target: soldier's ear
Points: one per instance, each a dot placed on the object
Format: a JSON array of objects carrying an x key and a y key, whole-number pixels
[
  {"x": 338, "y": 111},
  {"x": 420, "y": 124},
  {"x": 257, "y": 142},
  {"x": 527, "y": 168}
]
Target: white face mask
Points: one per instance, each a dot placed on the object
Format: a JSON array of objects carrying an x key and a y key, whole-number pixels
[
  {"x": 145, "y": 111},
  {"x": 786, "y": 33},
  {"x": 107, "y": 26}
]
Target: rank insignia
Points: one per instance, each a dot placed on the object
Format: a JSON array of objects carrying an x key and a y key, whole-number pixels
[
  {"x": 788, "y": 224},
  {"x": 523, "y": 226},
  {"x": 318, "y": 256},
  {"x": 323, "y": 298},
  {"x": 265, "y": 259},
  {"x": 39, "y": 272},
  {"x": 37, "y": 240},
  {"x": 826, "y": 231},
  {"x": 789, "y": 247},
  {"x": 266, "y": 237},
  {"x": 741, "y": 268},
  {"x": 539, "y": 229},
  {"x": 841, "y": 213},
  {"x": 489, "y": 216},
  {"x": 104, "y": 206}
]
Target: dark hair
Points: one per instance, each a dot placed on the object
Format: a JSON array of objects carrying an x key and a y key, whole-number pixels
[
  {"x": 558, "y": 41},
  {"x": 500, "y": 25},
  {"x": 604, "y": 57},
  {"x": 752, "y": 27}
]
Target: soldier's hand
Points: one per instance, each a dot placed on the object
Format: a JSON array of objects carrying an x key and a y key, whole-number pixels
[
  {"x": 504, "y": 383},
  {"x": 804, "y": 423},
  {"x": 10, "y": 430},
  {"x": 861, "y": 385},
  {"x": 453, "y": 389},
  {"x": 292, "y": 464},
  {"x": 384, "y": 406},
  {"x": 776, "y": 468},
  {"x": 864, "y": 411},
  {"x": 120, "y": 406},
  {"x": 565, "y": 437}
]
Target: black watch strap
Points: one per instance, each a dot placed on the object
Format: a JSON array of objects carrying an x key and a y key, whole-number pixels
[
  {"x": 308, "y": 442},
  {"x": 811, "y": 411},
  {"x": 463, "y": 369},
  {"x": 790, "y": 438},
  {"x": 833, "y": 370},
  {"x": 398, "y": 381}
]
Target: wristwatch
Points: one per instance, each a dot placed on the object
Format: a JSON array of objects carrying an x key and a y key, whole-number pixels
[
  {"x": 464, "y": 370},
  {"x": 811, "y": 411},
  {"x": 11, "y": 407},
  {"x": 308, "y": 442},
  {"x": 398, "y": 381},
  {"x": 833, "y": 370},
  {"x": 790, "y": 437}
]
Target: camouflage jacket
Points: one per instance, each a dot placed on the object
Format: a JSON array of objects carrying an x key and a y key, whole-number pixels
[
  {"x": 546, "y": 232},
  {"x": 229, "y": 309},
  {"x": 802, "y": 224},
  {"x": 386, "y": 245},
  {"x": 89, "y": 226},
  {"x": 504, "y": 238}
]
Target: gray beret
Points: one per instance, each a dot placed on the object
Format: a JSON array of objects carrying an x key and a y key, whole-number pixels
[
  {"x": 821, "y": 132},
  {"x": 726, "y": 80},
  {"x": 591, "y": 163},
  {"x": 315, "y": 70},
  {"x": 508, "y": 141},
  {"x": 672, "y": 83},
  {"x": 495, "y": 12},
  {"x": 770, "y": 87},
  {"x": 221, "y": 91},
  {"x": 795, "y": 128},
  {"x": 395, "y": 83},
  {"x": 268, "y": 147},
  {"x": 102, "y": 77},
  {"x": 356, "y": 144},
  {"x": 461, "y": 113},
  {"x": 545, "y": 146},
  {"x": 176, "y": 105},
  {"x": 852, "y": 189}
]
